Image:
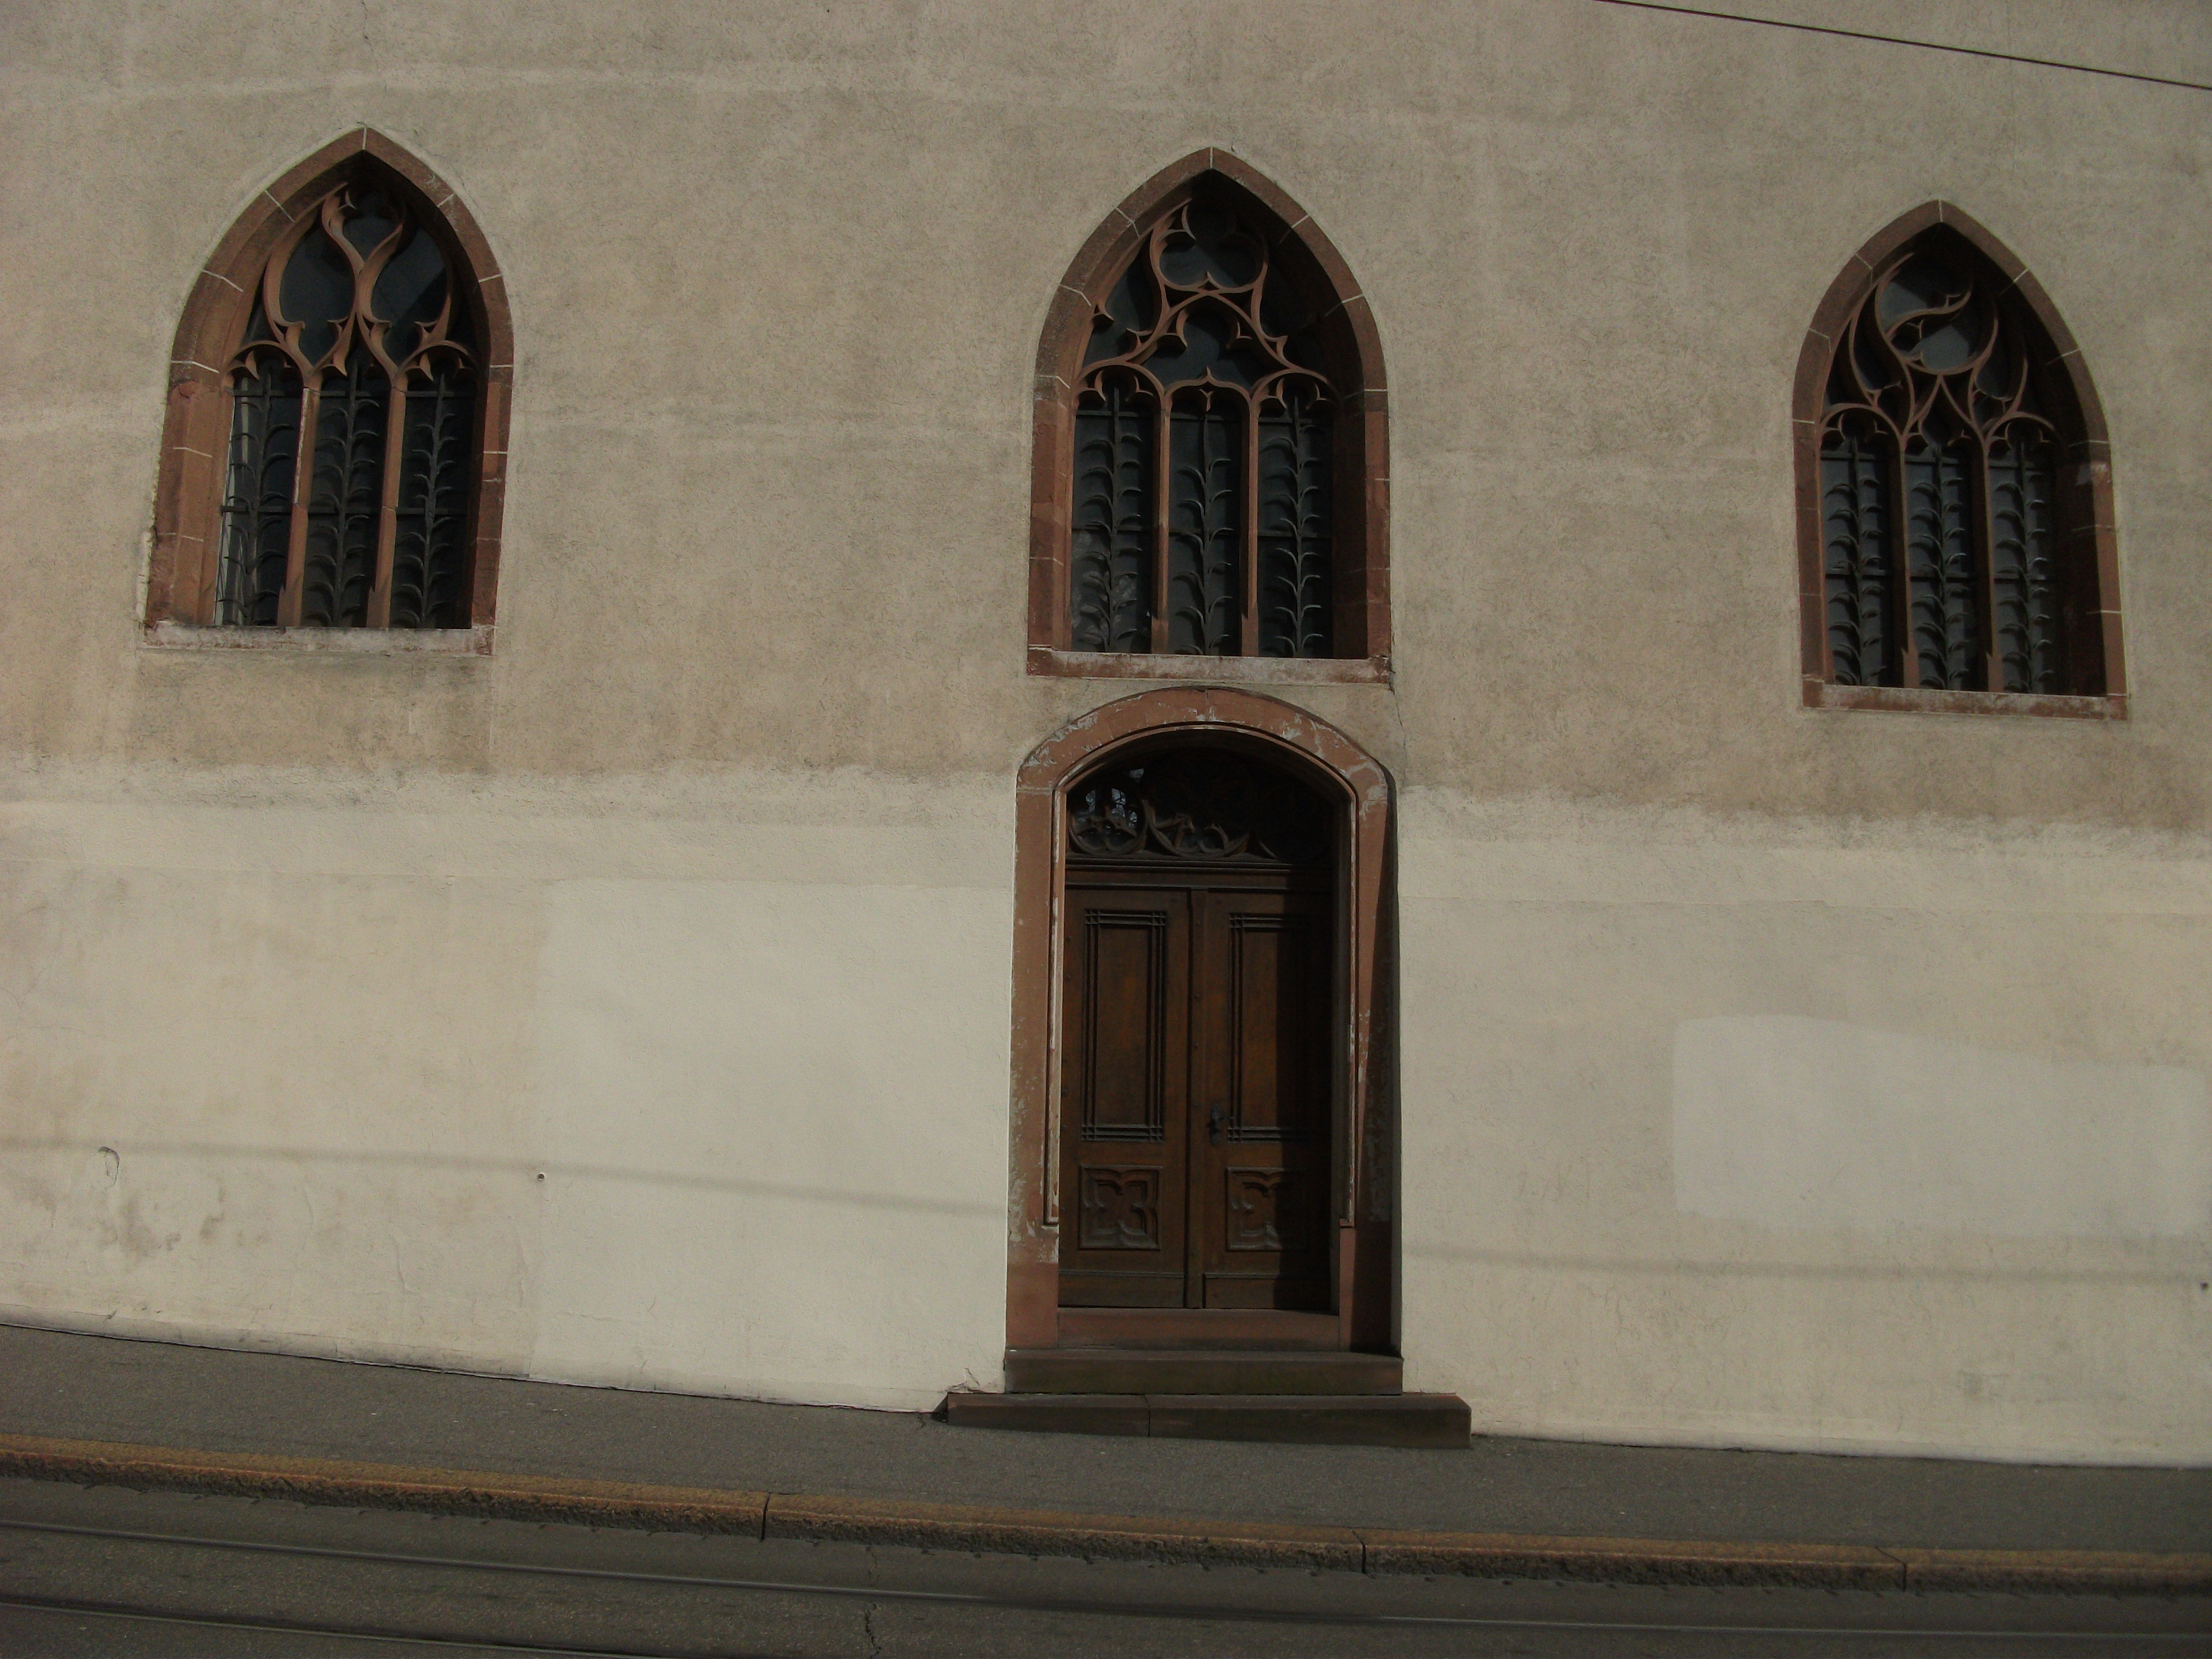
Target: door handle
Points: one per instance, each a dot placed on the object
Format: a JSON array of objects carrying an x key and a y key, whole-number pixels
[{"x": 1215, "y": 1118}]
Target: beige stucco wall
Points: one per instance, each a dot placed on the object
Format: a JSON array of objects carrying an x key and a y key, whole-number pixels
[{"x": 694, "y": 896}]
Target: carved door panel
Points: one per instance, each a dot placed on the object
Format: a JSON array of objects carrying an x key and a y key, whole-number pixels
[
  {"x": 1259, "y": 1097},
  {"x": 1124, "y": 1076},
  {"x": 1194, "y": 1042}
]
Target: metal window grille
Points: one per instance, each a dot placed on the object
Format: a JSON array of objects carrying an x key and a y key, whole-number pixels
[
  {"x": 1203, "y": 512},
  {"x": 1939, "y": 472},
  {"x": 356, "y": 362}
]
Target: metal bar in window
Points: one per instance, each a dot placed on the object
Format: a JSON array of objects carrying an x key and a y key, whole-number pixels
[
  {"x": 1907, "y": 651},
  {"x": 1985, "y": 569},
  {"x": 1163, "y": 494},
  {"x": 387, "y": 517},
  {"x": 295, "y": 550},
  {"x": 1248, "y": 539}
]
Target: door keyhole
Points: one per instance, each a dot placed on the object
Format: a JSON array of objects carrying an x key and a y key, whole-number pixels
[{"x": 1215, "y": 1118}]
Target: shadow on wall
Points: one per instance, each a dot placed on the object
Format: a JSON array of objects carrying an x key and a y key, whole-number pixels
[{"x": 224, "y": 1153}]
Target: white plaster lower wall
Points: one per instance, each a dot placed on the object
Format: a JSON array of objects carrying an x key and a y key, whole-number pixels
[
  {"x": 436, "y": 1087},
  {"x": 1827, "y": 1126},
  {"x": 1758, "y": 1135},
  {"x": 1708, "y": 1134},
  {"x": 776, "y": 1122}
]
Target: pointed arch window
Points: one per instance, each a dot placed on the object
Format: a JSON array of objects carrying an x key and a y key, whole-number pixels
[
  {"x": 1953, "y": 488},
  {"x": 338, "y": 409},
  {"x": 1210, "y": 478}
]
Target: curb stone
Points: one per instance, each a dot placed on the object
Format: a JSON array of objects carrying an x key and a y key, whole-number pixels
[{"x": 894, "y": 1521}]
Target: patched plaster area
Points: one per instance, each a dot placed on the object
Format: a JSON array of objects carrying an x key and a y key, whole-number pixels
[{"x": 1818, "y": 1124}]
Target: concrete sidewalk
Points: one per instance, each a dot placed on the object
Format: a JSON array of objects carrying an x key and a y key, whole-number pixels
[{"x": 166, "y": 1415}]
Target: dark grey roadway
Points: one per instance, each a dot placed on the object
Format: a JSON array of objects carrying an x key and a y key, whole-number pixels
[
  {"x": 110, "y": 1571},
  {"x": 76, "y": 1386},
  {"x": 235, "y": 1577}
]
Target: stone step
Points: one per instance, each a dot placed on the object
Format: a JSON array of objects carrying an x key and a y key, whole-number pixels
[
  {"x": 1218, "y": 1370},
  {"x": 1436, "y": 1420}
]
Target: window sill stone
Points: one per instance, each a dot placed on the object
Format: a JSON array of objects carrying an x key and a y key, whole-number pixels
[
  {"x": 1894, "y": 699},
  {"x": 1231, "y": 670},
  {"x": 323, "y": 641}
]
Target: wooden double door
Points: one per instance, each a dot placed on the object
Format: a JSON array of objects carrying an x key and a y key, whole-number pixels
[{"x": 1195, "y": 1142}]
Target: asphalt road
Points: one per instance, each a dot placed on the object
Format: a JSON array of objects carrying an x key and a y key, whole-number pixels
[
  {"x": 72, "y": 1386},
  {"x": 111, "y": 1572}
]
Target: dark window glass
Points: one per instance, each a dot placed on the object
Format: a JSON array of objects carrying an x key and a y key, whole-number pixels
[
  {"x": 317, "y": 293},
  {"x": 1110, "y": 600},
  {"x": 1203, "y": 509},
  {"x": 345, "y": 505},
  {"x": 256, "y": 503},
  {"x": 357, "y": 341},
  {"x": 1206, "y": 477},
  {"x": 2023, "y": 558},
  {"x": 1940, "y": 434},
  {"x": 1297, "y": 518},
  {"x": 428, "y": 546},
  {"x": 1855, "y": 500},
  {"x": 1939, "y": 481},
  {"x": 411, "y": 296}
]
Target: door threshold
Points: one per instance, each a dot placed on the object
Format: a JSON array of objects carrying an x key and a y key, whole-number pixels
[{"x": 1212, "y": 1329}]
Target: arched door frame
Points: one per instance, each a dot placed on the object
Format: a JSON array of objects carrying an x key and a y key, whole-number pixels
[{"x": 1348, "y": 775}]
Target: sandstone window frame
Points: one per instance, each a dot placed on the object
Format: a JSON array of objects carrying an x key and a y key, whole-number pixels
[
  {"x": 2087, "y": 541},
  {"x": 180, "y": 590},
  {"x": 1361, "y": 600}
]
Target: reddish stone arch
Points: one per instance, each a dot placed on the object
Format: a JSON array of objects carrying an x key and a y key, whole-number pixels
[
  {"x": 1344, "y": 773},
  {"x": 2088, "y": 528},
  {"x": 181, "y": 580},
  {"x": 1362, "y": 556}
]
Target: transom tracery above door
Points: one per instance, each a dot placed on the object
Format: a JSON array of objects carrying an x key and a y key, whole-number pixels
[{"x": 1197, "y": 805}]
